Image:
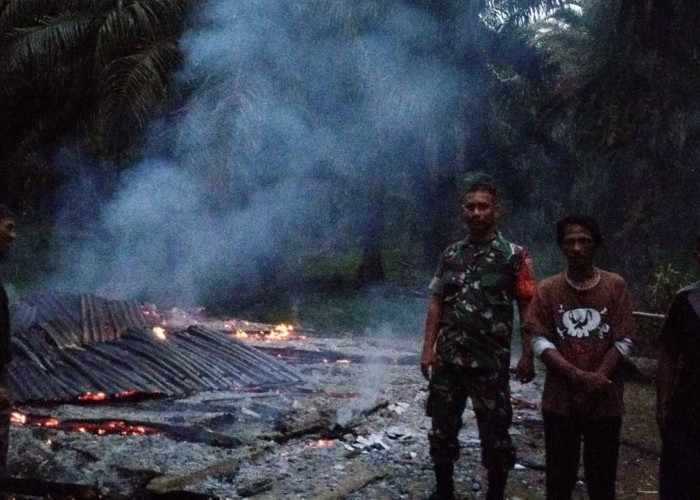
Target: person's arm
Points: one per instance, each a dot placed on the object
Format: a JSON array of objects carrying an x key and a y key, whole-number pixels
[
  {"x": 525, "y": 369},
  {"x": 611, "y": 361},
  {"x": 625, "y": 329},
  {"x": 525, "y": 288},
  {"x": 432, "y": 324},
  {"x": 587, "y": 381}
]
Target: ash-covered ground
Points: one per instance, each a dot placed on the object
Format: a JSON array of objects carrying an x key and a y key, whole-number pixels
[{"x": 355, "y": 429}]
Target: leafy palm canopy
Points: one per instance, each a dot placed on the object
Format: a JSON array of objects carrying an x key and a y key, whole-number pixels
[
  {"x": 623, "y": 109},
  {"x": 348, "y": 128},
  {"x": 72, "y": 66}
]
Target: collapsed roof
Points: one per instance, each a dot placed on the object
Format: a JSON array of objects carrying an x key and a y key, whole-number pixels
[{"x": 67, "y": 345}]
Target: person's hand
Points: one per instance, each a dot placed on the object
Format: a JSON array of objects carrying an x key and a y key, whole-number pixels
[
  {"x": 524, "y": 372},
  {"x": 427, "y": 363},
  {"x": 591, "y": 382}
]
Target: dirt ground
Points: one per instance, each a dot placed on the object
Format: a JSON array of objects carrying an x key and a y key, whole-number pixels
[{"x": 288, "y": 443}]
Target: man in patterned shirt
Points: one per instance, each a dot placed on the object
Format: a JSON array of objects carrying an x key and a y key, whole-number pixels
[
  {"x": 582, "y": 327},
  {"x": 466, "y": 349}
]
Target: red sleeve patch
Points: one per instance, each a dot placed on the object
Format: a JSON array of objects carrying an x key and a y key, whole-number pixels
[{"x": 525, "y": 284}]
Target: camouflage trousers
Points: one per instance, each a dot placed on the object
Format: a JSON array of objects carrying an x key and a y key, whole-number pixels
[{"x": 450, "y": 386}]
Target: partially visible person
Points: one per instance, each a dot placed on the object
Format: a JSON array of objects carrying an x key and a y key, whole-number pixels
[
  {"x": 466, "y": 349},
  {"x": 582, "y": 327},
  {"x": 7, "y": 237},
  {"x": 678, "y": 395}
]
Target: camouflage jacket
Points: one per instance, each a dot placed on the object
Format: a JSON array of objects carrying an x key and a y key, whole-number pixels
[{"x": 478, "y": 284}]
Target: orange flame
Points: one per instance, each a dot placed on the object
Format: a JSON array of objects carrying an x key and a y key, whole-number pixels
[
  {"x": 126, "y": 394},
  {"x": 281, "y": 332},
  {"x": 277, "y": 333},
  {"x": 159, "y": 332},
  {"x": 321, "y": 443},
  {"x": 51, "y": 422},
  {"x": 90, "y": 396},
  {"x": 18, "y": 418}
]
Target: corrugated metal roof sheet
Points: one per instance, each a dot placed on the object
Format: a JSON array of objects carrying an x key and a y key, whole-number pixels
[{"x": 67, "y": 345}]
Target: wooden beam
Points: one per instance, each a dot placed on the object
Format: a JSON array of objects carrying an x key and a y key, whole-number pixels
[{"x": 173, "y": 483}]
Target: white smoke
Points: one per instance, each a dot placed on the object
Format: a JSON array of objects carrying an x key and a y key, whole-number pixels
[{"x": 287, "y": 121}]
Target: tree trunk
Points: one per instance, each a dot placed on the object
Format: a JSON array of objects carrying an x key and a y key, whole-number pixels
[{"x": 371, "y": 269}]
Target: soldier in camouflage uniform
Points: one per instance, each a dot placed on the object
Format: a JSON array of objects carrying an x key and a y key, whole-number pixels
[{"x": 466, "y": 350}]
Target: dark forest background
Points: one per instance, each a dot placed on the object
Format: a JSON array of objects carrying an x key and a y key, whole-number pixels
[{"x": 258, "y": 157}]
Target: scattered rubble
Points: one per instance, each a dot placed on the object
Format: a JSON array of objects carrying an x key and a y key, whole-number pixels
[{"x": 353, "y": 428}]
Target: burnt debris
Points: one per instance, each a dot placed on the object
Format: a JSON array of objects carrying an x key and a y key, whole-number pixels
[{"x": 67, "y": 345}]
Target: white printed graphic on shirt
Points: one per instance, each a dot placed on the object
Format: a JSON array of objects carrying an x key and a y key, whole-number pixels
[{"x": 582, "y": 322}]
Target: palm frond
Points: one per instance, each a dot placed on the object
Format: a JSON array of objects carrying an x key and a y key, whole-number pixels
[
  {"x": 47, "y": 44},
  {"x": 133, "y": 86},
  {"x": 135, "y": 21},
  {"x": 23, "y": 13},
  {"x": 499, "y": 13}
]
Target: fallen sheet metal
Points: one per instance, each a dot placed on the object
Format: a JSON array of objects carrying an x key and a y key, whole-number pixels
[{"x": 65, "y": 346}]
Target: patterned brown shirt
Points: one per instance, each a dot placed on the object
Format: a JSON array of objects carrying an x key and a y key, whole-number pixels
[{"x": 583, "y": 325}]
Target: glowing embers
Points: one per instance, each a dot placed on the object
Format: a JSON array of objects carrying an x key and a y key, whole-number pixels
[
  {"x": 93, "y": 396},
  {"x": 18, "y": 418},
  {"x": 277, "y": 333},
  {"x": 131, "y": 396},
  {"x": 281, "y": 332},
  {"x": 320, "y": 443},
  {"x": 159, "y": 333},
  {"x": 97, "y": 427},
  {"x": 294, "y": 355}
]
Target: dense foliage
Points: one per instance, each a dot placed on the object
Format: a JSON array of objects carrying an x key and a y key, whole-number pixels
[
  {"x": 87, "y": 71},
  {"x": 586, "y": 106}
]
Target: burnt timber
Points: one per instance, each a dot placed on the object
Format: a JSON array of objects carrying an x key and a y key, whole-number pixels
[{"x": 67, "y": 345}]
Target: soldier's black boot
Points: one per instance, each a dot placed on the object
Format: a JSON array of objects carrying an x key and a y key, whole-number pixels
[
  {"x": 444, "y": 482},
  {"x": 497, "y": 484}
]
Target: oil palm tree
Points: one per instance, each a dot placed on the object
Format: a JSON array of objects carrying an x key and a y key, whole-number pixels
[
  {"x": 624, "y": 105},
  {"x": 95, "y": 67}
]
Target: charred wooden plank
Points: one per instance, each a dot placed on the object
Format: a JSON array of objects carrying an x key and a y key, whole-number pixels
[
  {"x": 360, "y": 478},
  {"x": 349, "y": 416},
  {"x": 294, "y": 425},
  {"x": 172, "y": 483},
  {"x": 48, "y": 489}
]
